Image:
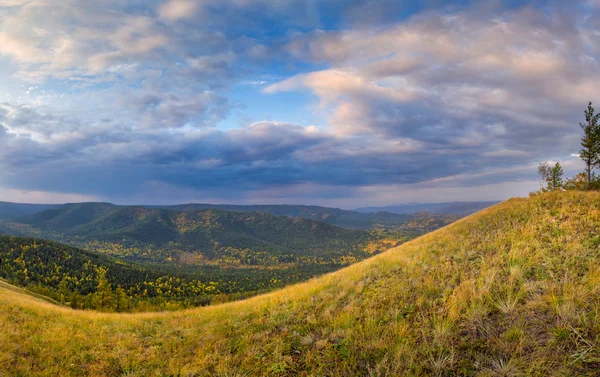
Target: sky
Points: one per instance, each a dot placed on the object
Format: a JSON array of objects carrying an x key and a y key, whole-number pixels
[{"x": 338, "y": 103}]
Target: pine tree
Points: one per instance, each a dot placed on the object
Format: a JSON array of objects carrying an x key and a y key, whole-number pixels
[
  {"x": 556, "y": 177},
  {"x": 590, "y": 142}
]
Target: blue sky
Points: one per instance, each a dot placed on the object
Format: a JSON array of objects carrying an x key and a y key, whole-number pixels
[{"x": 332, "y": 102}]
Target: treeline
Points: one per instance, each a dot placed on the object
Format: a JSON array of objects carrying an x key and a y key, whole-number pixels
[
  {"x": 87, "y": 280},
  {"x": 552, "y": 175}
]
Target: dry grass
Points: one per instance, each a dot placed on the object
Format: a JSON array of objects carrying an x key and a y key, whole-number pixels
[{"x": 511, "y": 291}]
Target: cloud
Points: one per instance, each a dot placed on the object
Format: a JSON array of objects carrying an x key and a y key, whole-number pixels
[
  {"x": 453, "y": 81},
  {"x": 173, "y": 111},
  {"x": 174, "y": 10},
  {"x": 143, "y": 100}
]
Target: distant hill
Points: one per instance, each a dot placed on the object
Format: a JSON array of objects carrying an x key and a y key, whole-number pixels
[
  {"x": 334, "y": 216},
  {"x": 68, "y": 216},
  {"x": 15, "y": 210},
  {"x": 195, "y": 237},
  {"x": 511, "y": 291},
  {"x": 454, "y": 208}
]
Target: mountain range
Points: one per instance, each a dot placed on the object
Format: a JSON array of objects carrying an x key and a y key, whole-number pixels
[
  {"x": 158, "y": 234},
  {"x": 334, "y": 216}
]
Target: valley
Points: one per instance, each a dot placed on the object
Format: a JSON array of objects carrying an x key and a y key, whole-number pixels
[{"x": 166, "y": 259}]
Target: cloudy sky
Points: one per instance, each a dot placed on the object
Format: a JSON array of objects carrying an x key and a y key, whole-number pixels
[{"x": 330, "y": 102}]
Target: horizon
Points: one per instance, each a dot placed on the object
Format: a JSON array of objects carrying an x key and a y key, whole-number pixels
[
  {"x": 335, "y": 103},
  {"x": 253, "y": 204}
]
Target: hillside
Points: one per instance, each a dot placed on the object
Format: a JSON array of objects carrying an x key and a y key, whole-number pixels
[
  {"x": 333, "y": 216},
  {"x": 196, "y": 237},
  {"x": 88, "y": 280},
  {"x": 10, "y": 210},
  {"x": 513, "y": 290},
  {"x": 375, "y": 220},
  {"x": 450, "y": 208}
]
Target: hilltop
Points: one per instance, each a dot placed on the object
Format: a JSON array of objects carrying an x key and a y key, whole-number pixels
[
  {"x": 513, "y": 290},
  {"x": 333, "y": 216},
  {"x": 10, "y": 210},
  {"x": 193, "y": 237}
]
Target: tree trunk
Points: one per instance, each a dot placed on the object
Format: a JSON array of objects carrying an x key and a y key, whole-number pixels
[{"x": 589, "y": 173}]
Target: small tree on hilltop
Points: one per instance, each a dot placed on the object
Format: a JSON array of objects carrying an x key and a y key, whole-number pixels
[
  {"x": 552, "y": 176},
  {"x": 556, "y": 177},
  {"x": 590, "y": 142}
]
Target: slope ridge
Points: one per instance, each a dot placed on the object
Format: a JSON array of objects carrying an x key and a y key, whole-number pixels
[{"x": 513, "y": 290}]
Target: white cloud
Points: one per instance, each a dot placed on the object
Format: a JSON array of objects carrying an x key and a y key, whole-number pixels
[{"x": 174, "y": 10}]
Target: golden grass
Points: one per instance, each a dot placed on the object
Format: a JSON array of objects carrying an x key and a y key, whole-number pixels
[{"x": 513, "y": 290}]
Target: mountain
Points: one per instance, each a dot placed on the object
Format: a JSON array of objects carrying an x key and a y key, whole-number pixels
[
  {"x": 15, "y": 210},
  {"x": 189, "y": 235},
  {"x": 510, "y": 291},
  {"x": 207, "y": 237},
  {"x": 454, "y": 208},
  {"x": 68, "y": 216},
  {"x": 334, "y": 216}
]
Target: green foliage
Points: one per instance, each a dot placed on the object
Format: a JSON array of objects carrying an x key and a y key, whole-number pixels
[
  {"x": 590, "y": 142},
  {"x": 208, "y": 237},
  {"x": 87, "y": 280},
  {"x": 552, "y": 176},
  {"x": 580, "y": 182},
  {"x": 333, "y": 216}
]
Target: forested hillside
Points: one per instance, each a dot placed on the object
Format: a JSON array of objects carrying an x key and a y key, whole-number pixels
[
  {"x": 88, "y": 280},
  {"x": 334, "y": 216},
  {"x": 376, "y": 220},
  {"x": 206, "y": 237}
]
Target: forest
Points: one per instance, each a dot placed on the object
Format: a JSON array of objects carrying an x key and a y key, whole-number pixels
[
  {"x": 88, "y": 280},
  {"x": 126, "y": 258}
]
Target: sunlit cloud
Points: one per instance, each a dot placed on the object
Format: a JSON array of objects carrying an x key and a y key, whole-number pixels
[{"x": 313, "y": 102}]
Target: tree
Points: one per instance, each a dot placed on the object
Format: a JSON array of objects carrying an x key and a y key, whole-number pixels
[
  {"x": 556, "y": 177},
  {"x": 590, "y": 142},
  {"x": 544, "y": 170},
  {"x": 122, "y": 300},
  {"x": 552, "y": 176},
  {"x": 103, "y": 298}
]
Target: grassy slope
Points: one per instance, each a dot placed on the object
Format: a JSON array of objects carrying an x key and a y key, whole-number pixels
[{"x": 514, "y": 290}]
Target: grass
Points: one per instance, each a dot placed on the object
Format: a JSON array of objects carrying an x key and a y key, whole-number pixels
[{"x": 513, "y": 290}]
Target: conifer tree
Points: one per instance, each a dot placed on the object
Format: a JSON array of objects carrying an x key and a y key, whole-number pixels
[
  {"x": 103, "y": 298},
  {"x": 122, "y": 301},
  {"x": 590, "y": 142},
  {"x": 556, "y": 177}
]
